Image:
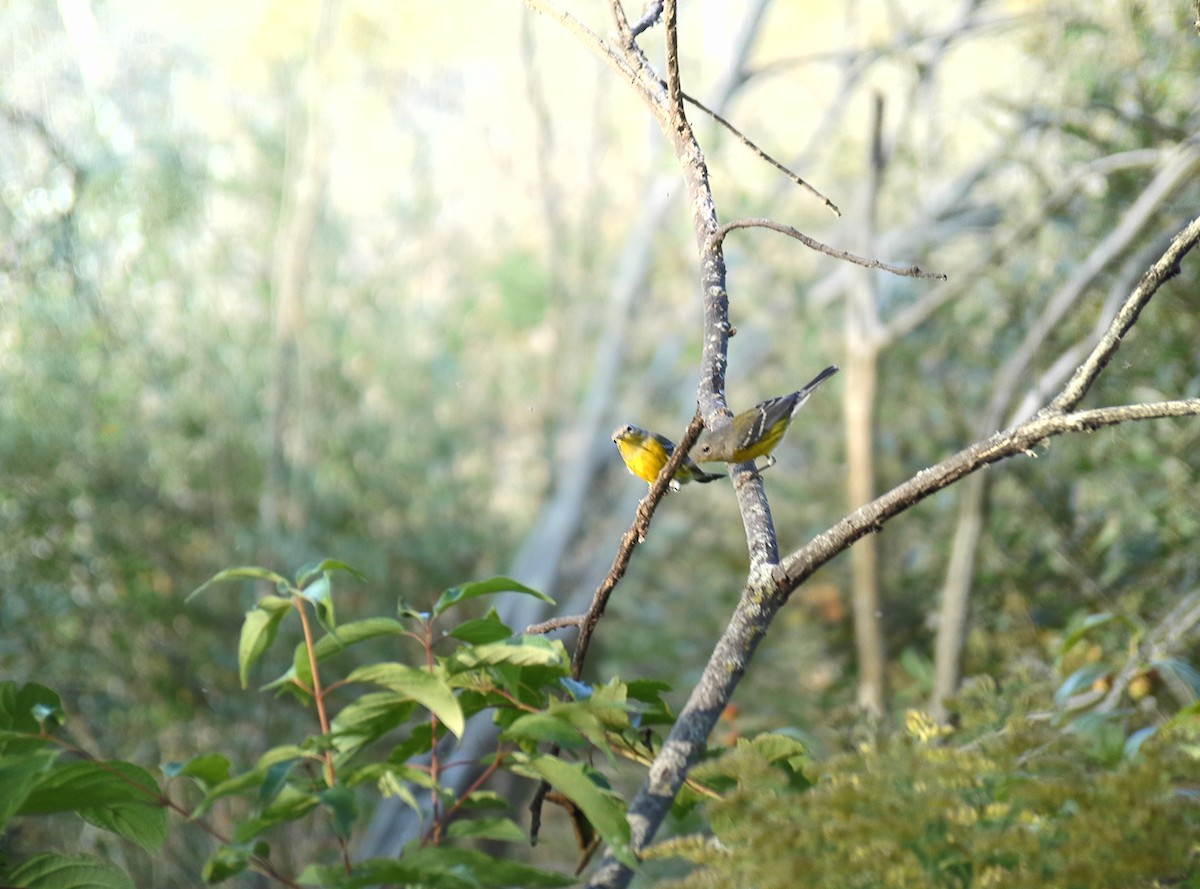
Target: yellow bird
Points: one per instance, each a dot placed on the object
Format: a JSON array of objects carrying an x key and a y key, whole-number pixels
[
  {"x": 754, "y": 433},
  {"x": 646, "y": 453}
]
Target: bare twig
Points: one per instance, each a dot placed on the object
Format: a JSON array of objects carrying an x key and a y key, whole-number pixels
[
  {"x": 911, "y": 271},
  {"x": 912, "y": 317},
  {"x": 635, "y": 535},
  {"x": 1166, "y": 268},
  {"x": 745, "y": 140}
]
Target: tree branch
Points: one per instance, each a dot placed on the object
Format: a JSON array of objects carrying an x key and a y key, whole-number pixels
[
  {"x": 911, "y": 271},
  {"x": 765, "y": 593}
]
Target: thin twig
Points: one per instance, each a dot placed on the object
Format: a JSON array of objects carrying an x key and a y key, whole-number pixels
[
  {"x": 1163, "y": 270},
  {"x": 745, "y": 140},
  {"x": 911, "y": 271},
  {"x": 587, "y": 623},
  {"x": 554, "y": 623},
  {"x": 635, "y": 535}
]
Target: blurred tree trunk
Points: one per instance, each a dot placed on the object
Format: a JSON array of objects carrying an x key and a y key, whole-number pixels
[
  {"x": 862, "y": 353},
  {"x": 306, "y": 167}
]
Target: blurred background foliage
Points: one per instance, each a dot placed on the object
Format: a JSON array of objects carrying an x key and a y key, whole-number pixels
[{"x": 481, "y": 178}]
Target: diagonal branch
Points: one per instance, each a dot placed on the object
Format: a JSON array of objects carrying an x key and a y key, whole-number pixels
[{"x": 1163, "y": 270}]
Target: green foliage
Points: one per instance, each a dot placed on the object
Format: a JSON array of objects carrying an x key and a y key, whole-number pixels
[
  {"x": 368, "y": 745},
  {"x": 1006, "y": 802}
]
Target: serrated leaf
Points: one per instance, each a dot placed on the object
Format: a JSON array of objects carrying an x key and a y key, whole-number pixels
[
  {"x": 425, "y": 688},
  {"x": 50, "y": 870},
  {"x": 79, "y": 785},
  {"x": 603, "y": 808},
  {"x": 369, "y": 718},
  {"x": 247, "y": 572},
  {"x": 776, "y": 748},
  {"x": 139, "y": 823},
  {"x": 523, "y": 651},
  {"x": 467, "y": 591},
  {"x": 259, "y": 628}
]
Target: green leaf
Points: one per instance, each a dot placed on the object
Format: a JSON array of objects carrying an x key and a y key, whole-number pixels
[
  {"x": 258, "y": 632},
  {"x": 545, "y": 728},
  {"x": 84, "y": 785},
  {"x": 50, "y": 870},
  {"x": 320, "y": 593},
  {"x": 310, "y": 572},
  {"x": 284, "y": 753},
  {"x": 1135, "y": 741},
  {"x": 206, "y": 770},
  {"x": 482, "y": 630},
  {"x": 343, "y": 809},
  {"x": 504, "y": 830},
  {"x": 274, "y": 780},
  {"x": 327, "y": 646},
  {"x": 250, "y": 780},
  {"x": 1181, "y": 670},
  {"x": 523, "y": 651},
  {"x": 141, "y": 824},
  {"x": 425, "y": 688},
  {"x": 369, "y": 718},
  {"x": 19, "y": 774},
  {"x": 229, "y": 861},
  {"x": 438, "y": 867},
  {"x": 1078, "y": 681},
  {"x": 142, "y": 821},
  {"x": 467, "y": 591},
  {"x": 249, "y": 572},
  {"x": 28, "y": 710},
  {"x": 1085, "y": 626},
  {"x": 603, "y": 808},
  {"x": 780, "y": 748},
  {"x": 289, "y": 804}
]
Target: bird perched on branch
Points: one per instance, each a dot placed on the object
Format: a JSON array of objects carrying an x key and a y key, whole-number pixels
[
  {"x": 646, "y": 453},
  {"x": 756, "y": 432}
]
